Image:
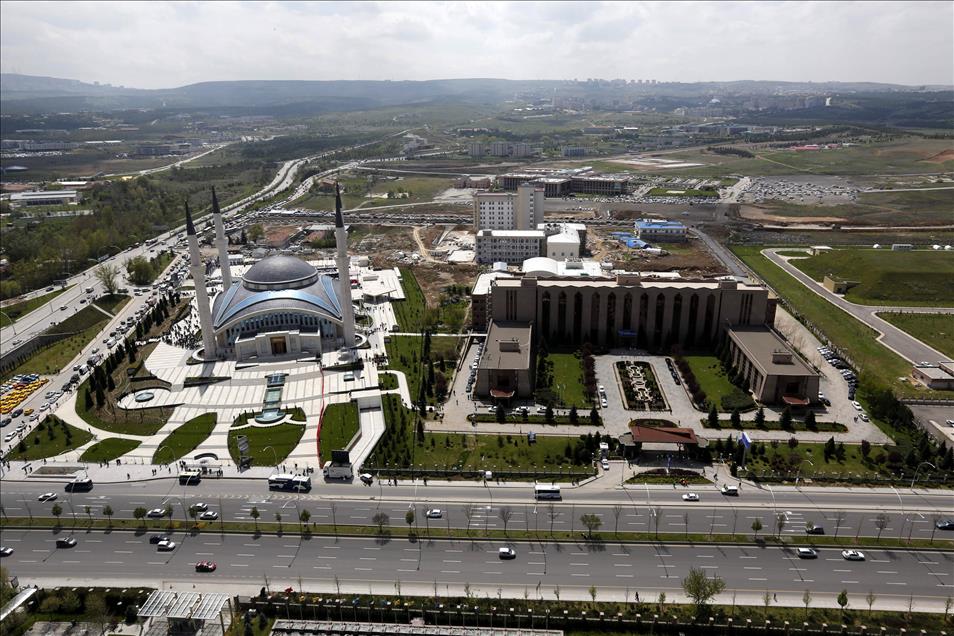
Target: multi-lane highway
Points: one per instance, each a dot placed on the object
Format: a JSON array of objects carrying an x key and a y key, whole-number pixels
[
  {"x": 909, "y": 513},
  {"x": 128, "y": 558}
]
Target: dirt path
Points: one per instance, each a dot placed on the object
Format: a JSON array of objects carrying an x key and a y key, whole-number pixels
[{"x": 416, "y": 232}]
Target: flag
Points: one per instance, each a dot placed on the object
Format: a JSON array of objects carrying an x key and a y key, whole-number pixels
[{"x": 746, "y": 440}]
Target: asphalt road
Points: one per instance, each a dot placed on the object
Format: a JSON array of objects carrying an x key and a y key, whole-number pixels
[
  {"x": 126, "y": 557},
  {"x": 909, "y": 513}
]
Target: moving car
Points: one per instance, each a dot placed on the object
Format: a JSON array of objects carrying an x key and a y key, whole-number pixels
[
  {"x": 853, "y": 555},
  {"x": 690, "y": 496},
  {"x": 731, "y": 491},
  {"x": 435, "y": 513},
  {"x": 209, "y": 515},
  {"x": 65, "y": 542},
  {"x": 604, "y": 463},
  {"x": 200, "y": 507},
  {"x": 5, "y": 551},
  {"x": 806, "y": 553},
  {"x": 366, "y": 478},
  {"x": 47, "y": 496},
  {"x": 205, "y": 566},
  {"x": 156, "y": 513},
  {"x": 507, "y": 553},
  {"x": 166, "y": 546},
  {"x": 813, "y": 529},
  {"x": 158, "y": 538},
  {"x": 945, "y": 524}
]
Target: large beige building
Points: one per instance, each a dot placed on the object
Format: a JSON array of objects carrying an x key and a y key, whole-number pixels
[
  {"x": 633, "y": 310},
  {"x": 774, "y": 373},
  {"x": 509, "y": 211}
]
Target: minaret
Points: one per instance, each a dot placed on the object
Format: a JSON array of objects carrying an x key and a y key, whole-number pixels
[
  {"x": 221, "y": 243},
  {"x": 344, "y": 273},
  {"x": 197, "y": 268}
]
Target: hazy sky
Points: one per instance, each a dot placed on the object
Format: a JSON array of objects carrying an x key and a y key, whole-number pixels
[{"x": 168, "y": 44}]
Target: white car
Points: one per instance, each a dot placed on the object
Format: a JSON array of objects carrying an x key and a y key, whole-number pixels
[
  {"x": 156, "y": 513},
  {"x": 200, "y": 507},
  {"x": 209, "y": 515},
  {"x": 864, "y": 417},
  {"x": 5, "y": 551},
  {"x": 507, "y": 553},
  {"x": 690, "y": 496},
  {"x": 435, "y": 513},
  {"x": 857, "y": 405},
  {"x": 604, "y": 463},
  {"x": 853, "y": 555},
  {"x": 47, "y": 496},
  {"x": 166, "y": 546}
]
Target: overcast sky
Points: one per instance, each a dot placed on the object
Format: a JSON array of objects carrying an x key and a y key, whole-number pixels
[{"x": 168, "y": 44}]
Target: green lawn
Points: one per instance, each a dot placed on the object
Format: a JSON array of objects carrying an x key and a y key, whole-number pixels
[
  {"x": 775, "y": 425},
  {"x": 12, "y": 313},
  {"x": 568, "y": 379},
  {"x": 712, "y": 380},
  {"x": 133, "y": 422},
  {"x": 935, "y": 330},
  {"x": 109, "y": 449},
  {"x": 410, "y": 311},
  {"x": 51, "y": 438},
  {"x": 283, "y": 438},
  {"x": 878, "y": 365},
  {"x": 85, "y": 325},
  {"x": 404, "y": 354},
  {"x": 185, "y": 439},
  {"x": 924, "y": 278},
  {"x": 338, "y": 427},
  {"x": 387, "y": 381},
  {"x": 782, "y": 459}
]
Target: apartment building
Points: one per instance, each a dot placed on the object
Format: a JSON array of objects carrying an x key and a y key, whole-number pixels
[
  {"x": 508, "y": 211},
  {"x": 509, "y": 246}
]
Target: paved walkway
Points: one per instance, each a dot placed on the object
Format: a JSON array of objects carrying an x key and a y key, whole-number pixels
[{"x": 899, "y": 341}]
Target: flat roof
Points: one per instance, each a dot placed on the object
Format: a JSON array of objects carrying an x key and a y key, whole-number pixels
[
  {"x": 759, "y": 345},
  {"x": 44, "y": 194},
  {"x": 482, "y": 285},
  {"x": 512, "y": 233},
  {"x": 643, "y": 283},
  {"x": 507, "y": 346},
  {"x": 934, "y": 373},
  {"x": 650, "y": 224}
]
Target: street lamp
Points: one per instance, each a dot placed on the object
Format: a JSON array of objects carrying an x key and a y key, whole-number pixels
[
  {"x": 919, "y": 470},
  {"x": 903, "y": 518},
  {"x": 799, "y": 473},
  {"x": 12, "y": 322},
  {"x": 274, "y": 456}
]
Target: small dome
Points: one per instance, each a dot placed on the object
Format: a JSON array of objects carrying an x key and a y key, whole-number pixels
[{"x": 279, "y": 272}]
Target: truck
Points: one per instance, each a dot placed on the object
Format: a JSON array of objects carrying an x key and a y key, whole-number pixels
[{"x": 337, "y": 470}]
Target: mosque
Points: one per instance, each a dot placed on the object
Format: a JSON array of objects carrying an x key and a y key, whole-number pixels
[{"x": 281, "y": 306}]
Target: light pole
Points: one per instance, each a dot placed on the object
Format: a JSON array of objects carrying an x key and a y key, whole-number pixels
[
  {"x": 12, "y": 322},
  {"x": 274, "y": 456},
  {"x": 903, "y": 518},
  {"x": 919, "y": 470},
  {"x": 799, "y": 473}
]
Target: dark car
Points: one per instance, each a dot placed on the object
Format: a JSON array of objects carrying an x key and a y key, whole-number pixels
[
  {"x": 945, "y": 524},
  {"x": 157, "y": 538},
  {"x": 205, "y": 566},
  {"x": 65, "y": 542},
  {"x": 815, "y": 530}
]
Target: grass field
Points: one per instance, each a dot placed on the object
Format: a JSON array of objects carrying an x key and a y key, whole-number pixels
[
  {"x": 712, "y": 380},
  {"x": 404, "y": 354},
  {"x": 283, "y": 438},
  {"x": 935, "y": 330},
  {"x": 50, "y": 439},
  {"x": 932, "y": 207},
  {"x": 184, "y": 439},
  {"x": 109, "y": 449},
  {"x": 793, "y": 457},
  {"x": 568, "y": 379},
  {"x": 85, "y": 326},
  {"x": 12, "y": 313},
  {"x": 492, "y": 452},
  {"x": 410, "y": 311},
  {"x": 922, "y": 278},
  {"x": 877, "y": 364},
  {"x": 338, "y": 426}
]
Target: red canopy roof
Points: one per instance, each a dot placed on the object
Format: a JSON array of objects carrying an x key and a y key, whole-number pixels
[
  {"x": 497, "y": 393},
  {"x": 794, "y": 400},
  {"x": 662, "y": 434}
]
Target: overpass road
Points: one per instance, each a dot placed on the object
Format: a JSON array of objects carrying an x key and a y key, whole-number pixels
[
  {"x": 851, "y": 513},
  {"x": 363, "y": 564}
]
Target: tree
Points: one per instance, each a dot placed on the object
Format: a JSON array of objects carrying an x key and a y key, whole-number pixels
[
  {"x": 469, "y": 513},
  {"x": 766, "y": 601},
  {"x": 593, "y": 592},
  {"x": 881, "y": 522},
  {"x": 574, "y": 416},
  {"x": 108, "y": 275},
  {"x": 870, "y": 599},
  {"x": 701, "y": 589},
  {"x": 501, "y": 414},
  {"x": 617, "y": 511},
  {"x": 756, "y": 526},
  {"x": 505, "y": 513},
  {"x": 108, "y": 513},
  {"x": 735, "y": 418},
  {"x": 140, "y": 270},
  {"x": 381, "y": 520},
  {"x": 806, "y": 599},
  {"x": 713, "y": 417},
  {"x": 785, "y": 420},
  {"x": 409, "y": 518},
  {"x": 303, "y": 518},
  {"x": 552, "y": 513},
  {"x": 255, "y": 514},
  {"x": 839, "y": 519},
  {"x": 278, "y": 518},
  {"x": 843, "y": 600},
  {"x": 594, "y": 417},
  {"x": 193, "y": 513},
  {"x": 810, "y": 423},
  {"x": 97, "y": 611},
  {"x": 57, "y": 510},
  {"x": 760, "y": 417},
  {"x": 592, "y": 523},
  {"x": 548, "y": 416},
  {"x": 780, "y": 521},
  {"x": 140, "y": 514}
]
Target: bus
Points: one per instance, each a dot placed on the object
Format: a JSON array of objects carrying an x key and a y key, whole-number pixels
[
  {"x": 288, "y": 481},
  {"x": 80, "y": 484},
  {"x": 190, "y": 477},
  {"x": 546, "y": 491}
]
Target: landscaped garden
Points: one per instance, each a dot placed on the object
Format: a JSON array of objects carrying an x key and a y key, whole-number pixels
[
  {"x": 109, "y": 449},
  {"x": 565, "y": 378},
  {"x": 339, "y": 425},
  {"x": 709, "y": 384},
  {"x": 427, "y": 362},
  {"x": 641, "y": 391},
  {"x": 267, "y": 445},
  {"x": 51, "y": 438}
]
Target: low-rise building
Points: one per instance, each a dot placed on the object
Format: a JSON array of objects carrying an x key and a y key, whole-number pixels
[
  {"x": 771, "y": 368},
  {"x": 505, "y": 369},
  {"x": 939, "y": 377},
  {"x": 47, "y": 197},
  {"x": 660, "y": 231},
  {"x": 509, "y": 246}
]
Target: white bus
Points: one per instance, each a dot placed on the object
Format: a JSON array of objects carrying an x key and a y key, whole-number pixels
[
  {"x": 288, "y": 481},
  {"x": 190, "y": 477},
  {"x": 546, "y": 491}
]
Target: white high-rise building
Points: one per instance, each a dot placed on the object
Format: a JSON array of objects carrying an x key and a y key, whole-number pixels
[{"x": 509, "y": 211}]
